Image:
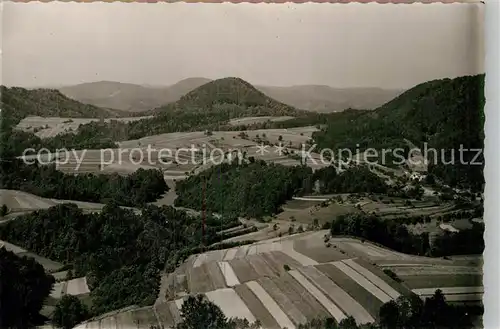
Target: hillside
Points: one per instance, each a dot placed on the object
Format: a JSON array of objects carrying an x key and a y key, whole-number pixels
[
  {"x": 130, "y": 97},
  {"x": 230, "y": 95},
  {"x": 294, "y": 281},
  {"x": 325, "y": 99},
  {"x": 443, "y": 113},
  {"x": 18, "y": 103},
  {"x": 137, "y": 98}
]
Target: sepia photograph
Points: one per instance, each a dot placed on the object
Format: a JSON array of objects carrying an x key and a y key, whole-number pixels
[{"x": 242, "y": 166}]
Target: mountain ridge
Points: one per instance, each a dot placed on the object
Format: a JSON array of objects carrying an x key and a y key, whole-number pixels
[
  {"x": 443, "y": 114},
  {"x": 19, "y": 102},
  {"x": 317, "y": 98},
  {"x": 230, "y": 92},
  {"x": 128, "y": 96}
]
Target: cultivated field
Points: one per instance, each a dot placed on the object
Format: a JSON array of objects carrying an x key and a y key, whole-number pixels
[
  {"x": 74, "y": 287},
  {"x": 47, "y": 127},
  {"x": 172, "y": 153},
  {"x": 20, "y": 203},
  {"x": 252, "y": 120},
  {"x": 49, "y": 265},
  {"x": 284, "y": 282},
  {"x": 130, "y": 317}
]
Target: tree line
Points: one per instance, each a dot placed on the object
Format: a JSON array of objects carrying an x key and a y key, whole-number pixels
[
  {"x": 24, "y": 286},
  {"x": 394, "y": 234},
  {"x": 45, "y": 180},
  {"x": 257, "y": 189}
]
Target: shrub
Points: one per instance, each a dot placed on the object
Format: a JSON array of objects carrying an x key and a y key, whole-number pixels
[{"x": 4, "y": 210}]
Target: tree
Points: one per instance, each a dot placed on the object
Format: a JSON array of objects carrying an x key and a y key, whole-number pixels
[
  {"x": 430, "y": 179},
  {"x": 69, "y": 312},
  {"x": 69, "y": 275},
  {"x": 348, "y": 323},
  {"x": 435, "y": 308},
  {"x": 280, "y": 138},
  {"x": 389, "y": 315},
  {"x": 199, "y": 313},
  {"x": 4, "y": 210},
  {"x": 24, "y": 286}
]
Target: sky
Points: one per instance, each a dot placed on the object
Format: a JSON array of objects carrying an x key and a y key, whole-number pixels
[{"x": 340, "y": 45}]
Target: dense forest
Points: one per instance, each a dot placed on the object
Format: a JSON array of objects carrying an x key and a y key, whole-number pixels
[
  {"x": 393, "y": 234},
  {"x": 120, "y": 252},
  {"x": 445, "y": 114},
  {"x": 355, "y": 179},
  {"x": 45, "y": 180},
  {"x": 24, "y": 285},
  {"x": 257, "y": 189}
]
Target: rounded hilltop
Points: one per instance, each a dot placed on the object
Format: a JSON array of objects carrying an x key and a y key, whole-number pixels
[{"x": 230, "y": 91}]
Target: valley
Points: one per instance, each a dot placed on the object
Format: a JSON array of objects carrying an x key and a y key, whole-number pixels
[{"x": 230, "y": 208}]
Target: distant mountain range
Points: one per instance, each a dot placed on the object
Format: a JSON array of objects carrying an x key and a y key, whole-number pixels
[
  {"x": 320, "y": 98},
  {"x": 230, "y": 95},
  {"x": 130, "y": 97},
  {"x": 136, "y": 98}
]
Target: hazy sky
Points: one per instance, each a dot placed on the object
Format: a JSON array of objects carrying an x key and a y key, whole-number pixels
[{"x": 389, "y": 46}]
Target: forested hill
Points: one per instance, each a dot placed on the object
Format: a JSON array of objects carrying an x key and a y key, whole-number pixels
[
  {"x": 444, "y": 113},
  {"x": 18, "y": 103},
  {"x": 230, "y": 93}
]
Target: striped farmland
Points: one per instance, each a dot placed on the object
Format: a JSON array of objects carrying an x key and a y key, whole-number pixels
[
  {"x": 338, "y": 296},
  {"x": 366, "y": 299},
  {"x": 302, "y": 299},
  {"x": 228, "y": 273},
  {"x": 285, "y": 284},
  {"x": 293, "y": 313},
  {"x": 243, "y": 270},
  {"x": 256, "y": 307},
  {"x": 373, "y": 278},
  {"x": 330, "y": 307},
  {"x": 302, "y": 259},
  {"x": 362, "y": 281},
  {"x": 228, "y": 300},
  {"x": 271, "y": 305},
  {"x": 230, "y": 254}
]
